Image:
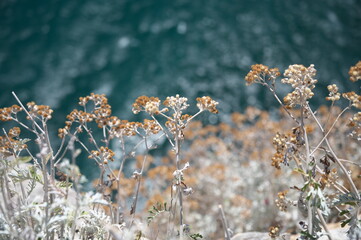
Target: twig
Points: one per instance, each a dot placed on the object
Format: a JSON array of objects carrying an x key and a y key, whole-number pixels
[
  {"x": 224, "y": 223},
  {"x": 26, "y": 111},
  {"x": 323, "y": 223}
]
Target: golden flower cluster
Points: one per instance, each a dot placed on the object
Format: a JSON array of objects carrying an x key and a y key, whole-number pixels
[
  {"x": 104, "y": 154},
  {"x": 102, "y": 110},
  {"x": 125, "y": 128},
  {"x": 151, "y": 126},
  {"x": 354, "y": 99},
  {"x": 6, "y": 114},
  {"x": 355, "y": 72},
  {"x": 277, "y": 159},
  {"x": 98, "y": 99},
  {"x": 178, "y": 124},
  {"x": 281, "y": 201},
  {"x": 102, "y": 114},
  {"x": 301, "y": 79},
  {"x": 355, "y": 124},
  {"x": 80, "y": 117},
  {"x": 260, "y": 74},
  {"x": 177, "y": 102},
  {"x": 280, "y": 142},
  {"x": 147, "y": 104},
  {"x": 207, "y": 103},
  {"x": 355, "y": 120},
  {"x": 274, "y": 232},
  {"x": 9, "y": 143},
  {"x": 41, "y": 111},
  {"x": 299, "y": 76},
  {"x": 285, "y": 143},
  {"x": 334, "y": 95}
]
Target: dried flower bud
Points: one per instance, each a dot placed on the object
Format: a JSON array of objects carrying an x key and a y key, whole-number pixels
[
  {"x": 355, "y": 72},
  {"x": 207, "y": 103},
  {"x": 334, "y": 95}
]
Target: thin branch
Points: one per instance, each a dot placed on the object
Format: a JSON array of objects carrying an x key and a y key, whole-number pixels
[{"x": 26, "y": 111}]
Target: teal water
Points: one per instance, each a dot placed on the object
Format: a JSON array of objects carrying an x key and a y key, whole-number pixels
[{"x": 54, "y": 51}]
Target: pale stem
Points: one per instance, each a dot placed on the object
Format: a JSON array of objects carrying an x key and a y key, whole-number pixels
[
  {"x": 323, "y": 223},
  {"x": 177, "y": 148},
  {"x": 281, "y": 103},
  {"x": 354, "y": 188},
  {"x": 119, "y": 201},
  {"x": 308, "y": 160},
  {"x": 322, "y": 129},
  {"x": 224, "y": 223},
  {"x": 26, "y": 111},
  {"x": 165, "y": 132}
]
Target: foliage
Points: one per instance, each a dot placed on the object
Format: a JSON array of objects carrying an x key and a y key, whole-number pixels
[{"x": 248, "y": 166}]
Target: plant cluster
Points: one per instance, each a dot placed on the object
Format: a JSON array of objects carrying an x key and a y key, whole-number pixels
[
  {"x": 314, "y": 157},
  {"x": 292, "y": 172}
]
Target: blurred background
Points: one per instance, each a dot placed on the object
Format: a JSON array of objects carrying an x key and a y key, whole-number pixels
[{"x": 55, "y": 51}]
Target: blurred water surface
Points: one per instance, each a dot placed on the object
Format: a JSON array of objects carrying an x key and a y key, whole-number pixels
[{"x": 54, "y": 51}]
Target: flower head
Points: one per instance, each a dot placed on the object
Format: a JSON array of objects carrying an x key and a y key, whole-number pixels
[
  {"x": 355, "y": 72},
  {"x": 147, "y": 104},
  {"x": 260, "y": 74},
  {"x": 334, "y": 95},
  {"x": 207, "y": 103},
  {"x": 178, "y": 103}
]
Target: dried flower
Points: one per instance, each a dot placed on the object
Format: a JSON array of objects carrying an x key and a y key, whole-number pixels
[
  {"x": 354, "y": 99},
  {"x": 281, "y": 201},
  {"x": 125, "y": 128},
  {"x": 6, "y": 114},
  {"x": 147, "y": 104},
  {"x": 207, "y": 103},
  {"x": 274, "y": 232},
  {"x": 37, "y": 111},
  {"x": 104, "y": 153},
  {"x": 334, "y": 95},
  {"x": 10, "y": 144},
  {"x": 355, "y": 72},
  {"x": 177, "y": 103},
  {"x": 301, "y": 79},
  {"x": 261, "y": 73},
  {"x": 151, "y": 127}
]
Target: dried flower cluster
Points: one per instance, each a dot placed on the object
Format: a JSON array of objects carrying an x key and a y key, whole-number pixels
[
  {"x": 262, "y": 74},
  {"x": 355, "y": 124},
  {"x": 147, "y": 104},
  {"x": 10, "y": 144},
  {"x": 225, "y": 171},
  {"x": 334, "y": 95},
  {"x": 104, "y": 153},
  {"x": 176, "y": 102},
  {"x": 8, "y": 113},
  {"x": 207, "y": 103},
  {"x": 355, "y": 72},
  {"x": 42, "y": 112},
  {"x": 274, "y": 232},
  {"x": 286, "y": 146},
  {"x": 355, "y": 99},
  {"x": 301, "y": 79},
  {"x": 281, "y": 202},
  {"x": 320, "y": 183}
]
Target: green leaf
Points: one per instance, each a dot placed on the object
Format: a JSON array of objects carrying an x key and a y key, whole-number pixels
[
  {"x": 196, "y": 236},
  {"x": 343, "y": 224},
  {"x": 64, "y": 184},
  {"x": 344, "y": 212}
]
